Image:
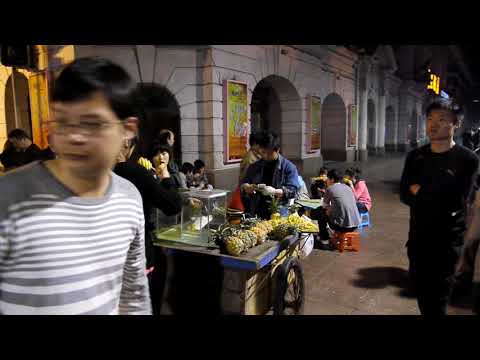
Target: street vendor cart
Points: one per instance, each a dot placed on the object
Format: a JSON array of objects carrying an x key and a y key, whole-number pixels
[{"x": 268, "y": 278}]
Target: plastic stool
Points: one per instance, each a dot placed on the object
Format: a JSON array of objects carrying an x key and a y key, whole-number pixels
[
  {"x": 346, "y": 241},
  {"x": 364, "y": 220}
]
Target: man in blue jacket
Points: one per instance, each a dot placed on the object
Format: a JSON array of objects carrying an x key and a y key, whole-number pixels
[{"x": 272, "y": 176}]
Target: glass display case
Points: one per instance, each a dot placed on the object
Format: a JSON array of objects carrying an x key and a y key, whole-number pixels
[{"x": 202, "y": 211}]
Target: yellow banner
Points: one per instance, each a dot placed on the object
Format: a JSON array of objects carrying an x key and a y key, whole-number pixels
[
  {"x": 315, "y": 115},
  {"x": 38, "y": 87},
  {"x": 237, "y": 122}
]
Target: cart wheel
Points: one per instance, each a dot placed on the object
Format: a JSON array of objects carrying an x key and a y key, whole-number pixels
[{"x": 290, "y": 288}]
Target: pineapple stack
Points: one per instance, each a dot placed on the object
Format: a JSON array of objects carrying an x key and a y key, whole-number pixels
[{"x": 246, "y": 236}]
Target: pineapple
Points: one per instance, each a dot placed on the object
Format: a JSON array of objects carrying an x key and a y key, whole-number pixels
[
  {"x": 275, "y": 207},
  {"x": 282, "y": 231},
  {"x": 249, "y": 238},
  {"x": 234, "y": 246}
]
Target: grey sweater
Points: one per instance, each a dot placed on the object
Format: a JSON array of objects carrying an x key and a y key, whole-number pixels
[
  {"x": 344, "y": 212},
  {"x": 64, "y": 254}
]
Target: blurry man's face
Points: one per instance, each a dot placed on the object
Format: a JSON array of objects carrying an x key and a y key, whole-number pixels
[
  {"x": 15, "y": 143},
  {"x": 268, "y": 154},
  {"x": 171, "y": 141},
  {"x": 87, "y": 135},
  {"x": 440, "y": 125},
  {"x": 330, "y": 182},
  {"x": 256, "y": 149}
]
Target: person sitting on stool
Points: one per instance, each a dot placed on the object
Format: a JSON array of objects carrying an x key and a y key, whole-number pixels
[
  {"x": 359, "y": 188},
  {"x": 341, "y": 213}
]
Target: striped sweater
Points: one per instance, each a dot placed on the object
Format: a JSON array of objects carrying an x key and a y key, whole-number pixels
[{"x": 63, "y": 254}]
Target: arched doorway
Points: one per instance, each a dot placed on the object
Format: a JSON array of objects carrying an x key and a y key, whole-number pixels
[
  {"x": 17, "y": 108},
  {"x": 372, "y": 125},
  {"x": 276, "y": 106},
  {"x": 390, "y": 129},
  {"x": 334, "y": 128},
  {"x": 161, "y": 111},
  {"x": 265, "y": 108}
]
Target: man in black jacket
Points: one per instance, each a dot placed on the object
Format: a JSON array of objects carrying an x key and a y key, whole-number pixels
[
  {"x": 436, "y": 182},
  {"x": 21, "y": 150}
]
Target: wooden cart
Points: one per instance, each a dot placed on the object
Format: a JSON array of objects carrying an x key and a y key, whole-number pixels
[{"x": 267, "y": 279}]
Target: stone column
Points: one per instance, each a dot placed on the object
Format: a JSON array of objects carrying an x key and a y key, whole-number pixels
[
  {"x": 363, "y": 126},
  {"x": 404, "y": 114},
  {"x": 381, "y": 123}
]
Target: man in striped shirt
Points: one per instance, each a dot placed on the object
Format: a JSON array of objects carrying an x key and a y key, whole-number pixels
[{"x": 71, "y": 231}]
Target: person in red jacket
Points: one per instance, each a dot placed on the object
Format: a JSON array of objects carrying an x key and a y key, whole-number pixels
[{"x": 359, "y": 188}]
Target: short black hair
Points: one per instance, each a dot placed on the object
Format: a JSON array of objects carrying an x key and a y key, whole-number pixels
[
  {"x": 85, "y": 76},
  {"x": 453, "y": 108},
  {"x": 186, "y": 167},
  {"x": 199, "y": 164},
  {"x": 269, "y": 140},
  {"x": 254, "y": 137},
  {"x": 18, "y": 134},
  {"x": 323, "y": 171},
  {"x": 353, "y": 172},
  {"x": 160, "y": 147},
  {"x": 333, "y": 175}
]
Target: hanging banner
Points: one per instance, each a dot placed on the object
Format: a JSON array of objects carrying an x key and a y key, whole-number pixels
[
  {"x": 236, "y": 122},
  {"x": 315, "y": 107},
  {"x": 352, "y": 125},
  {"x": 38, "y": 88}
]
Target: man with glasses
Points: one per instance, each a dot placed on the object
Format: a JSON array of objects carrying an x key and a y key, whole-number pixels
[{"x": 71, "y": 231}]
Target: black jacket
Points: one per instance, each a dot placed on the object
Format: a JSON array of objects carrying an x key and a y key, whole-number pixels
[
  {"x": 155, "y": 194},
  {"x": 437, "y": 212},
  {"x": 11, "y": 158}
]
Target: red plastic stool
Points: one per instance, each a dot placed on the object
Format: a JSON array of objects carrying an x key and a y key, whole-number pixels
[{"x": 346, "y": 241}]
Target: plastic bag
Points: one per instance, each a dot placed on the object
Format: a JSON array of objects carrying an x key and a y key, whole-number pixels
[{"x": 306, "y": 246}]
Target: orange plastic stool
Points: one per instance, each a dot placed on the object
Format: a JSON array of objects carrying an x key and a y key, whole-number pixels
[{"x": 346, "y": 241}]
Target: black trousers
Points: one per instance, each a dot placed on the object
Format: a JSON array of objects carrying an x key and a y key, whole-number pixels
[
  {"x": 431, "y": 272},
  {"x": 320, "y": 215}
]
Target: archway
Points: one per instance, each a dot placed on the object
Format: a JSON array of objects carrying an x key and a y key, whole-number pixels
[
  {"x": 334, "y": 128},
  {"x": 17, "y": 108},
  {"x": 276, "y": 106},
  {"x": 390, "y": 129},
  {"x": 160, "y": 110},
  {"x": 372, "y": 125}
]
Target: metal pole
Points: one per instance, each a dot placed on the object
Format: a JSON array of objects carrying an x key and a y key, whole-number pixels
[{"x": 14, "y": 98}]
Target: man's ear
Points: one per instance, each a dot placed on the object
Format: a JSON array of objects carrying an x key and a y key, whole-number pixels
[{"x": 130, "y": 125}]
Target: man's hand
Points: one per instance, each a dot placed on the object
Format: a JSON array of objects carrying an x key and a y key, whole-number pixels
[
  {"x": 414, "y": 189},
  {"x": 248, "y": 188},
  {"x": 195, "y": 203},
  {"x": 463, "y": 266},
  {"x": 269, "y": 191}
]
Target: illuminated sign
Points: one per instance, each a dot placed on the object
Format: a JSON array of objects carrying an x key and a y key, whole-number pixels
[
  {"x": 444, "y": 94},
  {"x": 434, "y": 83}
]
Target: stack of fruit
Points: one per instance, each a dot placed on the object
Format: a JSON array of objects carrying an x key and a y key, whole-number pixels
[
  {"x": 302, "y": 224},
  {"x": 236, "y": 239}
]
